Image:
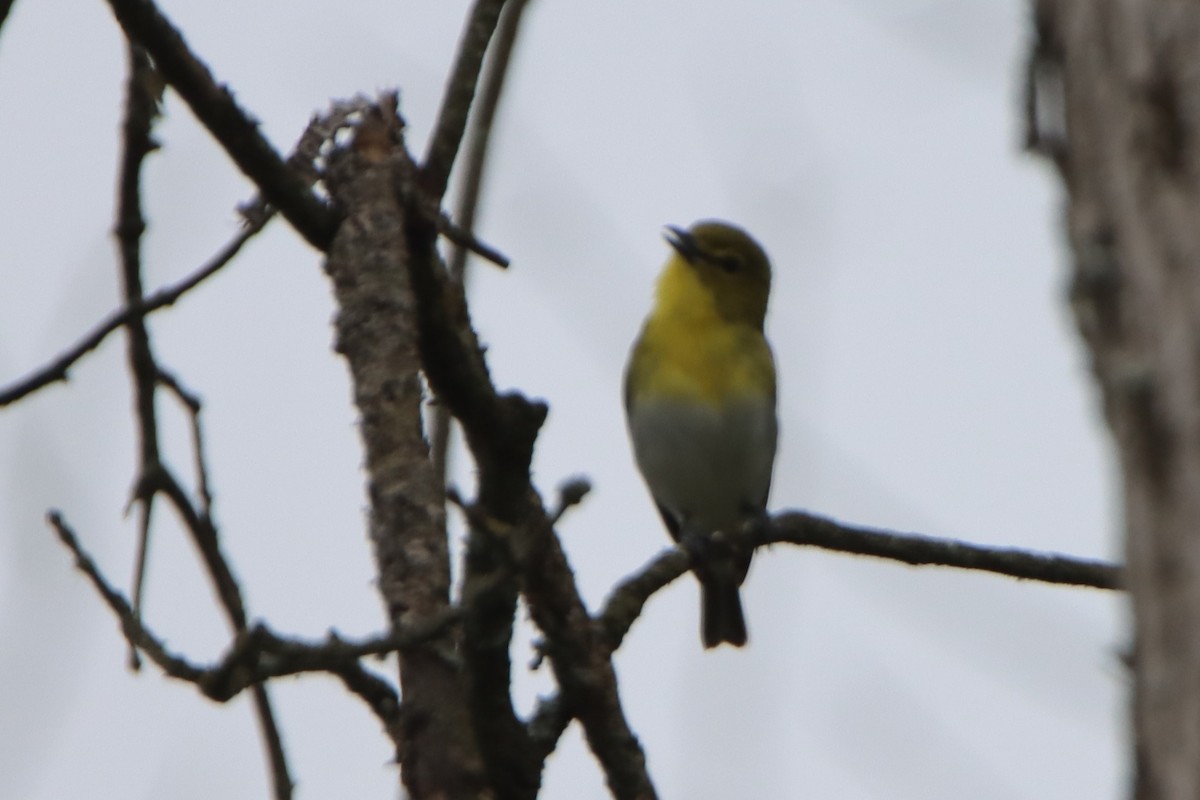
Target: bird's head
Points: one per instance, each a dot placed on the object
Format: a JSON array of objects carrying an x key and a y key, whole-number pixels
[{"x": 730, "y": 264}]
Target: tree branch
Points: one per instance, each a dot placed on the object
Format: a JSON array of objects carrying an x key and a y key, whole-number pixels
[
  {"x": 479, "y": 138},
  {"x": 500, "y": 431},
  {"x": 283, "y": 187},
  {"x": 58, "y": 369},
  {"x": 5, "y": 7},
  {"x": 1117, "y": 85},
  {"x": 258, "y": 654},
  {"x": 917, "y": 550},
  {"x": 256, "y": 213},
  {"x": 624, "y": 604},
  {"x": 489, "y": 584},
  {"x": 141, "y": 110},
  {"x": 376, "y": 332},
  {"x": 482, "y": 120},
  {"x": 456, "y": 101},
  {"x": 582, "y": 662},
  {"x": 203, "y": 531}
]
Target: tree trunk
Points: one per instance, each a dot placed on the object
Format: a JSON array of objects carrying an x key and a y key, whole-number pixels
[{"x": 1115, "y": 102}]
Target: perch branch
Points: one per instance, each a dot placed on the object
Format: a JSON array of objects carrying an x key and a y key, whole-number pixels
[
  {"x": 917, "y": 550},
  {"x": 627, "y": 599},
  {"x": 793, "y": 527}
]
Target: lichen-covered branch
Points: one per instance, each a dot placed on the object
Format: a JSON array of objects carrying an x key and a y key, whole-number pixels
[{"x": 377, "y": 334}]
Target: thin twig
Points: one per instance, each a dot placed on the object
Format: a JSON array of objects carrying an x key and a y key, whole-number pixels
[
  {"x": 141, "y": 111},
  {"x": 456, "y": 101},
  {"x": 571, "y": 493},
  {"x": 482, "y": 117},
  {"x": 465, "y": 240},
  {"x": 257, "y": 213},
  {"x": 5, "y": 7},
  {"x": 482, "y": 121},
  {"x": 258, "y": 654},
  {"x": 203, "y": 531},
  {"x": 135, "y": 632},
  {"x": 304, "y": 158},
  {"x": 213, "y": 104},
  {"x": 57, "y": 370},
  {"x": 191, "y": 401}
]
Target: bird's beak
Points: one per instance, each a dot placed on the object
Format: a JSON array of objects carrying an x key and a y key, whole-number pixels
[{"x": 683, "y": 243}]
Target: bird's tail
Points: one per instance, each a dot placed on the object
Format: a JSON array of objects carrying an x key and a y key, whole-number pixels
[{"x": 721, "y": 617}]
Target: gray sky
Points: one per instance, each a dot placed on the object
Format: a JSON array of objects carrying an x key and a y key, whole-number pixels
[{"x": 931, "y": 381}]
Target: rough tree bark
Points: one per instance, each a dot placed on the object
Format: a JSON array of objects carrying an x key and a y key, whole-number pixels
[
  {"x": 377, "y": 333},
  {"x": 1115, "y": 102}
]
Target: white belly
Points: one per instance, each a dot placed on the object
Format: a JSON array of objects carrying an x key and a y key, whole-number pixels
[{"x": 711, "y": 468}]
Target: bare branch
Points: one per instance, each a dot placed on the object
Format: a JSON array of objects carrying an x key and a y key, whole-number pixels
[
  {"x": 807, "y": 529},
  {"x": 489, "y": 600},
  {"x": 571, "y": 493},
  {"x": 625, "y": 602},
  {"x": 58, "y": 369},
  {"x": 213, "y": 104},
  {"x": 500, "y": 431},
  {"x": 456, "y": 101},
  {"x": 482, "y": 118},
  {"x": 131, "y": 626},
  {"x": 259, "y": 654},
  {"x": 463, "y": 239},
  {"x": 141, "y": 110},
  {"x": 191, "y": 401},
  {"x": 257, "y": 213},
  {"x": 547, "y": 724},
  {"x": 582, "y": 661},
  {"x": 321, "y": 129},
  {"x": 490, "y": 587},
  {"x": 5, "y": 7},
  {"x": 377, "y": 333},
  {"x": 471, "y": 186}
]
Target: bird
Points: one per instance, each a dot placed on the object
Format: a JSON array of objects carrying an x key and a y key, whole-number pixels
[{"x": 700, "y": 406}]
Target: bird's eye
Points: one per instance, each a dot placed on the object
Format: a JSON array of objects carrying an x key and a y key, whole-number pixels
[{"x": 729, "y": 263}]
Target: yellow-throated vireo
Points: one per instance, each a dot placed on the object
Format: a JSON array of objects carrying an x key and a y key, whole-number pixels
[{"x": 700, "y": 403}]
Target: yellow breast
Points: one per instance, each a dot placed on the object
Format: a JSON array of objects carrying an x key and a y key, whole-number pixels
[{"x": 688, "y": 351}]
